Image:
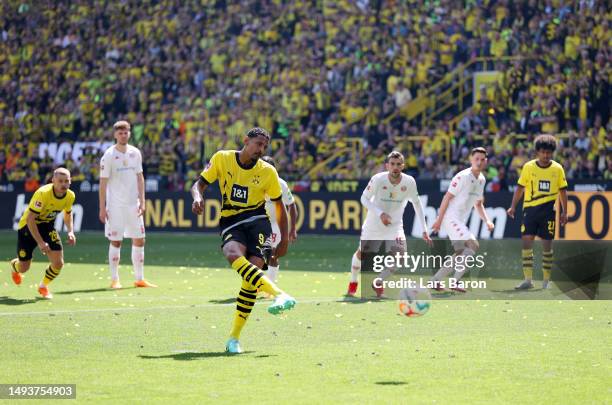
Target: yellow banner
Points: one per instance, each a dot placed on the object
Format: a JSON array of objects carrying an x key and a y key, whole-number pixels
[{"x": 588, "y": 216}]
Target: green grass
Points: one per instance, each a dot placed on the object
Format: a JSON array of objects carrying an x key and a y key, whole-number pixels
[{"x": 166, "y": 344}]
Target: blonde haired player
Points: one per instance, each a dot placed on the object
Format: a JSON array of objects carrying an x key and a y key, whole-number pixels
[
  {"x": 122, "y": 203},
  {"x": 386, "y": 197},
  {"x": 36, "y": 229}
]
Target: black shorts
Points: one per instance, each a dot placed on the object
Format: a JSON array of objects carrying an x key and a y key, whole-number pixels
[
  {"x": 253, "y": 235},
  {"x": 540, "y": 221},
  {"x": 26, "y": 242}
]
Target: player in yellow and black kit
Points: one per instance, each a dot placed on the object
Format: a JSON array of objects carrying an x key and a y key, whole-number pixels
[
  {"x": 245, "y": 180},
  {"x": 542, "y": 181},
  {"x": 36, "y": 229}
]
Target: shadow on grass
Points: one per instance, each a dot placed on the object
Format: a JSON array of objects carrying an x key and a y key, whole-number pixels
[
  {"x": 92, "y": 290},
  {"x": 514, "y": 291},
  {"x": 196, "y": 355},
  {"x": 15, "y": 301},
  {"x": 223, "y": 301},
  {"x": 441, "y": 294},
  {"x": 354, "y": 300},
  {"x": 391, "y": 383},
  {"x": 358, "y": 300}
]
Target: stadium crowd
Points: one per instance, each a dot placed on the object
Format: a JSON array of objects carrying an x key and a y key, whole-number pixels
[{"x": 193, "y": 76}]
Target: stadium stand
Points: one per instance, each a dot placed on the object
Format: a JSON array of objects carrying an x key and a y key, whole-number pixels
[{"x": 339, "y": 83}]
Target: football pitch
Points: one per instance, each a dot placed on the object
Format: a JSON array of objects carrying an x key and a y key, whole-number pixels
[{"x": 167, "y": 344}]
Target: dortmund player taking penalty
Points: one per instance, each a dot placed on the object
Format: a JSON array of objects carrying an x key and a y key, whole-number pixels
[
  {"x": 36, "y": 229},
  {"x": 542, "y": 181},
  {"x": 244, "y": 181}
]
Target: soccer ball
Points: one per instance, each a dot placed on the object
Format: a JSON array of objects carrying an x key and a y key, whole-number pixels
[{"x": 414, "y": 301}]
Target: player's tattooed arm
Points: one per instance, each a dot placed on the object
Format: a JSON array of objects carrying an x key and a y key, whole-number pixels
[
  {"x": 197, "y": 193},
  {"x": 69, "y": 226}
]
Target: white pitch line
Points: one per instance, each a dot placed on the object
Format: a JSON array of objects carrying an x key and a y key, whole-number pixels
[{"x": 128, "y": 309}]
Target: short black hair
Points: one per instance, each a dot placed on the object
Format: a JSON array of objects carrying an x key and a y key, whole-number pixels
[
  {"x": 545, "y": 142},
  {"x": 270, "y": 160},
  {"x": 255, "y": 132},
  {"x": 394, "y": 155},
  {"x": 479, "y": 149}
]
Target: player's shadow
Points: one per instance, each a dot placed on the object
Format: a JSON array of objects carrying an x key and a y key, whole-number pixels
[
  {"x": 15, "y": 301},
  {"x": 354, "y": 300},
  {"x": 514, "y": 291},
  {"x": 223, "y": 301},
  {"x": 196, "y": 355},
  {"x": 391, "y": 383},
  {"x": 91, "y": 290}
]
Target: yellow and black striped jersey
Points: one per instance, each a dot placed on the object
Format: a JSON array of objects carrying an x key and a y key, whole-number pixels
[
  {"x": 46, "y": 205},
  {"x": 243, "y": 188},
  {"x": 542, "y": 184}
]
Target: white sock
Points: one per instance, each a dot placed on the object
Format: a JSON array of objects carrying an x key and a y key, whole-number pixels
[
  {"x": 355, "y": 268},
  {"x": 138, "y": 262},
  {"x": 386, "y": 273},
  {"x": 272, "y": 272},
  {"x": 467, "y": 252},
  {"x": 114, "y": 254},
  {"x": 442, "y": 273}
]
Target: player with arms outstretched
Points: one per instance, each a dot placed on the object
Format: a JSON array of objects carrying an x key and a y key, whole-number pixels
[
  {"x": 466, "y": 191},
  {"x": 386, "y": 197},
  {"x": 122, "y": 203},
  {"x": 542, "y": 181},
  {"x": 245, "y": 180},
  {"x": 36, "y": 229},
  {"x": 275, "y": 237}
]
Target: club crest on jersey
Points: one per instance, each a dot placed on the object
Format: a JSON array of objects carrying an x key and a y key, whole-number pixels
[
  {"x": 256, "y": 179},
  {"x": 404, "y": 188}
]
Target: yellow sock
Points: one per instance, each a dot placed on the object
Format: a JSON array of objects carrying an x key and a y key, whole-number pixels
[
  {"x": 254, "y": 276},
  {"x": 547, "y": 261},
  {"x": 50, "y": 274},
  {"x": 244, "y": 305},
  {"x": 527, "y": 263}
]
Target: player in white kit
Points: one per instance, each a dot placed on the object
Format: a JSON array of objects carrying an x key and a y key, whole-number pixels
[
  {"x": 465, "y": 192},
  {"x": 122, "y": 203},
  {"x": 386, "y": 197},
  {"x": 275, "y": 237}
]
